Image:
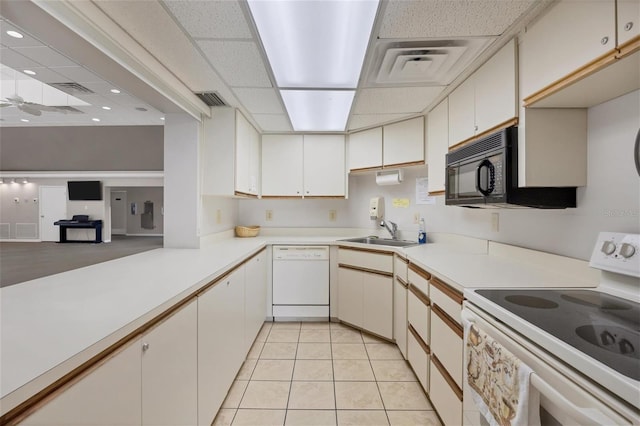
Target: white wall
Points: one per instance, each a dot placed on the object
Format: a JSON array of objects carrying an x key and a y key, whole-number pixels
[
  {"x": 228, "y": 208},
  {"x": 609, "y": 202}
]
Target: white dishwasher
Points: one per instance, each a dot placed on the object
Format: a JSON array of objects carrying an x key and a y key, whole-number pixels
[{"x": 301, "y": 283}]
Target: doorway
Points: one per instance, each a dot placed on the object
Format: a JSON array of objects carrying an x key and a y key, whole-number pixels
[
  {"x": 53, "y": 207},
  {"x": 118, "y": 212}
]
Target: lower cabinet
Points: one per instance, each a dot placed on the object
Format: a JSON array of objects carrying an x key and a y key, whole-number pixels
[
  {"x": 400, "y": 286},
  {"x": 255, "y": 300},
  {"x": 446, "y": 399},
  {"x": 418, "y": 357}
]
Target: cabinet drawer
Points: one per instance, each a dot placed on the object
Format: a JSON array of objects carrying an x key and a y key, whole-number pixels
[
  {"x": 446, "y": 397},
  {"x": 370, "y": 260},
  {"x": 419, "y": 278},
  {"x": 418, "y": 358},
  {"x": 448, "y": 299},
  {"x": 400, "y": 268},
  {"x": 446, "y": 342},
  {"x": 418, "y": 312}
]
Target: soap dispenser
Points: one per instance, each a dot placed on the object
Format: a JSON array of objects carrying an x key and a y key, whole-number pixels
[{"x": 422, "y": 235}]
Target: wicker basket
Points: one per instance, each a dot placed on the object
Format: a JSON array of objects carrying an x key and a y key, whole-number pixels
[{"x": 247, "y": 231}]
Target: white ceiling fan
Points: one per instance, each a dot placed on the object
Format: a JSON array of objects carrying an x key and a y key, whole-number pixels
[{"x": 34, "y": 108}]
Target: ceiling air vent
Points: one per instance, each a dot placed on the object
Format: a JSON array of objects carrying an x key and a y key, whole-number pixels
[
  {"x": 211, "y": 99},
  {"x": 71, "y": 88}
]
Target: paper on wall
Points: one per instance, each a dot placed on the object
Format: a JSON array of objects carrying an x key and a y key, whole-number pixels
[{"x": 422, "y": 192}]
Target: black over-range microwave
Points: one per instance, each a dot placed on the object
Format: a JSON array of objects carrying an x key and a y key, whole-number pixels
[{"x": 484, "y": 173}]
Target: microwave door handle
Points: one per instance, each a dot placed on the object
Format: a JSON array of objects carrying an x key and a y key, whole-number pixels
[{"x": 492, "y": 177}]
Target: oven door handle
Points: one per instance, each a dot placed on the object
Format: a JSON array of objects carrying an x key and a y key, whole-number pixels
[{"x": 583, "y": 415}]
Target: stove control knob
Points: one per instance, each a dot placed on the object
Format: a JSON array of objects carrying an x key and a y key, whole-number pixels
[
  {"x": 608, "y": 247},
  {"x": 626, "y": 347},
  {"x": 627, "y": 250},
  {"x": 607, "y": 338}
]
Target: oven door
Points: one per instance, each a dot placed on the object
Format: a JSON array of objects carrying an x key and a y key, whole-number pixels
[
  {"x": 476, "y": 181},
  {"x": 562, "y": 400}
]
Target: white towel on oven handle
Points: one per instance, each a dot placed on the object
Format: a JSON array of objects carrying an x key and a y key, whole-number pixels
[{"x": 527, "y": 411}]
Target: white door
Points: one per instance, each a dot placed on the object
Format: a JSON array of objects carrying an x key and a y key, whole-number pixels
[
  {"x": 53, "y": 207},
  {"x": 118, "y": 212}
]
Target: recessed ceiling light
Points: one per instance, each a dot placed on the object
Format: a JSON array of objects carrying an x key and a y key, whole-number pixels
[
  {"x": 116, "y": 91},
  {"x": 14, "y": 34},
  {"x": 96, "y": 119},
  {"x": 106, "y": 108},
  {"x": 29, "y": 72},
  {"x": 24, "y": 120},
  {"x": 162, "y": 118},
  {"x": 25, "y": 180}
]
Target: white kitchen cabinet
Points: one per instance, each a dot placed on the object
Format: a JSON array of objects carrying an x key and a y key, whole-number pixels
[
  {"x": 569, "y": 36},
  {"x": 282, "y": 165},
  {"x": 170, "y": 370},
  {"x": 110, "y": 395},
  {"x": 255, "y": 302},
  {"x": 350, "y": 300},
  {"x": 324, "y": 166},
  {"x": 221, "y": 341},
  {"x": 400, "y": 285},
  {"x": 309, "y": 165},
  {"x": 228, "y": 135},
  {"x": 485, "y": 100},
  {"x": 418, "y": 358},
  {"x": 628, "y": 20},
  {"x": 446, "y": 397},
  {"x": 437, "y": 146},
  {"x": 378, "y": 304},
  {"x": 403, "y": 143},
  {"x": 365, "y": 150}
]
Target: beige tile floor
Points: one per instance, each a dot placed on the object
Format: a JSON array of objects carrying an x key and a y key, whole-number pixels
[{"x": 324, "y": 374}]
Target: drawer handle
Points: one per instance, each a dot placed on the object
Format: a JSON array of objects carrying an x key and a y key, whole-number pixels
[
  {"x": 145, "y": 347},
  {"x": 628, "y": 26},
  {"x": 604, "y": 40}
]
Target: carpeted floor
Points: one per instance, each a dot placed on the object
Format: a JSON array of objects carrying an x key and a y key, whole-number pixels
[{"x": 21, "y": 262}]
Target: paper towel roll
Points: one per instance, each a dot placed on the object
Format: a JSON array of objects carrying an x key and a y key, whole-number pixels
[{"x": 389, "y": 178}]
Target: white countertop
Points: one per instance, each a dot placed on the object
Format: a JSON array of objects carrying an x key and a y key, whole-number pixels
[{"x": 53, "y": 324}]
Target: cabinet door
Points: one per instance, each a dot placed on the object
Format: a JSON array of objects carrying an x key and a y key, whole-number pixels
[
  {"x": 378, "y": 304},
  {"x": 255, "y": 302},
  {"x": 169, "y": 370},
  {"x": 324, "y": 166},
  {"x": 570, "y": 35},
  {"x": 495, "y": 89},
  {"x": 437, "y": 145},
  {"x": 220, "y": 342},
  {"x": 403, "y": 142},
  {"x": 247, "y": 159},
  {"x": 350, "y": 303},
  {"x": 282, "y": 165},
  {"x": 462, "y": 112},
  {"x": 365, "y": 149},
  {"x": 400, "y": 316},
  {"x": 628, "y": 20},
  {"x": 110, "y": 395}
]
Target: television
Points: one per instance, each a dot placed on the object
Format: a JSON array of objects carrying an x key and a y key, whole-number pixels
[{"x": 84, "y": 190}]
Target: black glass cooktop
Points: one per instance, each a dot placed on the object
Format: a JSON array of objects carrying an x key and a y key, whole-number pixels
[{"x": 604, "y": 327}]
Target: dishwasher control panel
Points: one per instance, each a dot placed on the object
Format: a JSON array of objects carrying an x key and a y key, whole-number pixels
[{"x": 300, "y": 253}]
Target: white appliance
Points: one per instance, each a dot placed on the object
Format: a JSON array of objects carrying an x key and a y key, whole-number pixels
[
  {"x": 583, "y": 345},
  {"x": 301, "y": 283}
]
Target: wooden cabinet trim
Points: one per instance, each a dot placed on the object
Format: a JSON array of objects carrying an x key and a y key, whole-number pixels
[
  {"x": 288, "y": 197},
  {"x": 421, "y": 342},
  {"x": 447, "y": 377},
  {"x": 245, "y": 194},
  {"x": 402, "y": 259},
  {"x": 436, "y": 193},
  {"x": 369, "y": 271},
  {"x": 582, "y": 72},
  {"x": 503, "y": 125},
  {"x": 450, "y": 322},
  {"x": 446, "y": 289},
  {"x": 408, "y": 164},
  {"x": 366, "y": 169},
  {"x": 403, "y": 282},
  {"x": 628, "y": 48},
  {"x": 424, "y": 274},
  {"x": 420, "y": 295},
  {"x": 367, "y": 250}
]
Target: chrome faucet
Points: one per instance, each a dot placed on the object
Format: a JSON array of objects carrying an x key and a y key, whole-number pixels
[{"x": 392, "y": 230}]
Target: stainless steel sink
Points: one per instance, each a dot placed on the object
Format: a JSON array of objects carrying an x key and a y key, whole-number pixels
[{"x": 382, "y": 241}]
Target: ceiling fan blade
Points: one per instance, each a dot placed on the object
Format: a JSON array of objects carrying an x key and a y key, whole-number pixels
[
  {"x": 30, "y": 110},
  {"x": 5, "y": 105}
]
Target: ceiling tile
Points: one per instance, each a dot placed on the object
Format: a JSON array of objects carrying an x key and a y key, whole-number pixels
[
  {"x": 260, "y": 101},
  {"x": 210, "y": 19},
  {"x": 238, "y": 62},
  {"x": 45, "y": 56},
  {"x": 7, "y": 40},
  {"x": 45, "y": 75},
  {"x": 13, "y": 59},
  {"x": 77, "y": 74},
  {"x": 395, "y": 100},
  {"x": 446, "y": 18},
  {"x": 369, "y": 120},
  {"x": 273, "y": 122}
]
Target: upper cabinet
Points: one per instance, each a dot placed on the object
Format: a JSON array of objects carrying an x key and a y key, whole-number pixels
[
  {"x": 628, "y": 21},
  {"x": 303, "y": 166},
  {"x": 437, "y": 145},
  {"x": 394, "y": 145},
  {"x": 487, "y": 100},
  {"x": 228, "y": 135}
]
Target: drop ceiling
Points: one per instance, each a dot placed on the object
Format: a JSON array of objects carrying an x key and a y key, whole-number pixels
[{"x": 418, "y": 51}]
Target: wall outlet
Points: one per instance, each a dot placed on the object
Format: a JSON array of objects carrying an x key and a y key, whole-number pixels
[
  {"x": 416, "y": 218},
  {"x": 16, "y": 200},
  {"x": 495, "y": 222},
  {"x": 35, "y": 201},
  {"x": 269, "y": 214},
  {"x": 332, "y": 215},
  {"x": 218, "y": 216}
]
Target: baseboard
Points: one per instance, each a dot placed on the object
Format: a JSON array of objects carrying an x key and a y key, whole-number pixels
[
  {"x": 21, "y": 240},
  {"x": 144, "y": 235}
]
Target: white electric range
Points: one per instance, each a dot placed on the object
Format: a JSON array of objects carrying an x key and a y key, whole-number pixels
[{"x": 583, "y": 344}]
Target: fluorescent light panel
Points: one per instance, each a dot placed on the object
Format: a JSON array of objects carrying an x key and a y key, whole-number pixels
[
  {"x": 315, "y": 44},
  {"x": 318, "y": 110}
]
